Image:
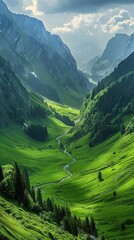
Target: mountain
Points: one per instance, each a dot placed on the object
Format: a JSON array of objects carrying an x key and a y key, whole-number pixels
[
  {"x": 88, "y": 66},
  {"x": 17, "y": 104},
  {"x": 103, "y": 110},
  {"x": 41, "y": 60},
  {"x": 84, "y": 53},
  {"x": 108, "y": 104},
  {"x": 126, "y": 66},
  {"x": 35, "y": 29},
  {"x": 117, "y": 49},
  {"x": 14, "y": 97}
]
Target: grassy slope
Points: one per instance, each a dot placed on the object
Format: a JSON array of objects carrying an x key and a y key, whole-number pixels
[
  {"x": 114, "y": 158},
  {"x": 64, "y": 109},
  {"x": 16, "y": 223},
  {"x": 44, "y": 161},
  {"x": 82, "y": 191},
  {"x": 39, "y": 158},
  {"x": 67, "y": 95}
]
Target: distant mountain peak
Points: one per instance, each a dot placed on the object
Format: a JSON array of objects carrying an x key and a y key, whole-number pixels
[
  {"x": 121, "y": 35},
  {"x": 117, "y": 49}
]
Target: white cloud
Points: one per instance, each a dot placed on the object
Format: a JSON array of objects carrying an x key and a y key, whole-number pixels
[
  {"x": 112, "y": 21},
  {"x": 33, "y": 8},
  {"x": 77, "y": 22},
  {"x": 121, "y": 22}
]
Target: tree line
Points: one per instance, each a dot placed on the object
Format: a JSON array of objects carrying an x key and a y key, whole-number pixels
[
  {"x": 37, "y": 132},
  {"x": 106, "y": 114},
  {"x": 16, "y": 185},
  {"x": 37, "y": 112}
]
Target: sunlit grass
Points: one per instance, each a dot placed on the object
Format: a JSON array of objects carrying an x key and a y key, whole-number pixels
[{"x": 82, "y": 192}]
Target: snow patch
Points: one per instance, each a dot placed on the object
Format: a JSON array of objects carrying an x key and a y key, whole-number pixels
[{"x": 33, "y": 73}]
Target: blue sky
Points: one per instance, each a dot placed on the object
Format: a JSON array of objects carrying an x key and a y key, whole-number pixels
[{"x": 80, "y": 20}]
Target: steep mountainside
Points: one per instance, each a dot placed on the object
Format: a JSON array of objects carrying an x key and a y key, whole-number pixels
[
  {"x": 35, "y": 29},
  {"x": 14, "y": 97},
  {"x": 88, "y": 66},
  {"x": 17, "y": 104},
  {"x": 41, "y": 60},
  {"x": 48, "y": 220},
  {"x": 117, "y": 49},
  {"x": 103, "y": 110},
  {"x": 16, "y": 223},
  {"x": 126, "y": 66}
]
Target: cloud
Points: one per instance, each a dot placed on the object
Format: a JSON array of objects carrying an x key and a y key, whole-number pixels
[
  {"x": 112, "y": 21},
  {"x": 120, "y": 22},
  {"x": 78, "y": 6},
  {"x": 76, "y": 23},
  {"x": 33, "y": 8},
  {"x": 25, "y": 6},
  {"x": 38, "y": 7}
]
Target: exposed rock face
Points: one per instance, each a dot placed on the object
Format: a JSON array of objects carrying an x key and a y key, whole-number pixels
[
  {"x": 41, "y": 60},
  {"x": 117, "y": 49},
  {"x": 14, "y": 102},
  {"x": 35, "y": 29}
]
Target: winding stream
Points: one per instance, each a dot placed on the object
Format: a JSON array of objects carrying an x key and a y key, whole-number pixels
[{"x": 66, "y": 167}]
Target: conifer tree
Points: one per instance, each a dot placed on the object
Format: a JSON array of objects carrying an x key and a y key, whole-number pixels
[
  {"x": 33, "y": 194},
  {"x": 60, "y": 213},
  {"x": 114, "y": 193},
  {"x": 66, "y": 224},
  {"x": 39, "y": 198},
  {"x": 57, "y": 214},
  {"x": 122, "y": 226},
  {"x": 87, "y": 225},
  {"x": 68, "y": 213},
  {"x": 79, "y": 223},
  {"x": 27, "y": 200},
  {"x": 1, "y": 174},
  {"x": 19, "y": 184},
  {"x": 49, "y": 205},
  {"x": 26, "y": 179},
  {"x": 93, "y": 227},
  {"x": 100, "y": 176},
  {"x": 63, "y": 212},
  {"x": 122, "y": 129},
  {"x": 73, "y": 226}
]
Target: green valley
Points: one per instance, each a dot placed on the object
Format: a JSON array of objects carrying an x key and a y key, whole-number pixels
[
  {"x": 66, "y": 140},
  {"x": 83, "y": 193},
  {"x": 114, "y": 158}
]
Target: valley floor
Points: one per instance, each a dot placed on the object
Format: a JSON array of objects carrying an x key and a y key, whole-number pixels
[{"x": 82, "y": 191}]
